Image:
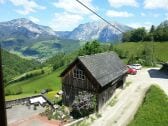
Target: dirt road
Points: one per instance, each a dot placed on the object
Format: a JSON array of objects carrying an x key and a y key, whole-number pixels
[{"x": 129, "y": 99}]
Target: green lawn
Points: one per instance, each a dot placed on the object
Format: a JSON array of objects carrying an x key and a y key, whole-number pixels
[
  {"x": 36, "y": 84},
  {"x": 134, "y": 48},
  {"x": 154, "y": 110},
  {"x": 51, "y": 95}
]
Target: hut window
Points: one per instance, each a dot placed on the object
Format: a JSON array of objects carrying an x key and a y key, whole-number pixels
[{"x": 78, "y": 74}]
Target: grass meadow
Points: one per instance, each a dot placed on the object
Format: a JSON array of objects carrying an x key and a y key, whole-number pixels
[{"x": 36, "y": 84}]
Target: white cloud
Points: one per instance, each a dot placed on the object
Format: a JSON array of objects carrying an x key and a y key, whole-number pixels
[
  {"x": 29, "y": 6},
  {"x": 155, "y": 4},
  {"x": 120, "y": 3},
  {"x": 34, "y": 19},
  {"x": 73, "y": 6},
  {"x": 65, "y": 21},
  {"x": 73, "y": 14},
  {"x": 112, "y": 13},
  {"x": 147, "y": 25},
  {"x": 149, "y": 14}
]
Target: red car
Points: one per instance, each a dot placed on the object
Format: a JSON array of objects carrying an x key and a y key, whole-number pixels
[{"x": 131, "y": 71}]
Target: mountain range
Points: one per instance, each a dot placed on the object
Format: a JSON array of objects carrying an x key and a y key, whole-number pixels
[
  {"x": 95, "y": 30},
  {"x": 25, "y": 28},
  {"x": 26, "y": 38}
]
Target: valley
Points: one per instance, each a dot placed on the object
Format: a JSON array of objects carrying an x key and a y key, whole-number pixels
[
  {"x": 50, "y": 79},
  {"x": 30, "y": 40},
  {"x": 34, "y": 56},
  {"x": 84, "y": 62}
]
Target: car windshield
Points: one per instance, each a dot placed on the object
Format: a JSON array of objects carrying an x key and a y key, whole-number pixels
[{"x": 136, "y": 64}]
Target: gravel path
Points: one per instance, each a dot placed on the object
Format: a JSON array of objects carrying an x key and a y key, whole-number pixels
[{"x": 129, "y": 99}]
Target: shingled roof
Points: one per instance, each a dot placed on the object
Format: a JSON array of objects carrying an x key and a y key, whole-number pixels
[{"x": 104, "y": 67}]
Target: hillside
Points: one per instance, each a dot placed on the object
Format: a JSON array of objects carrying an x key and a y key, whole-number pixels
[
  {"x": 50, "y": 79},
  {"x": 126, "y": 51},
  {"x": 40, "y": 49},
  {"x": 14, "y": 65},
  {"x": 35, "y": 85},
  {"x": 129, "y": 49}
]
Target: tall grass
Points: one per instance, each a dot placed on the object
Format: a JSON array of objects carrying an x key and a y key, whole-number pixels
[{"x": 154, "y": 110}]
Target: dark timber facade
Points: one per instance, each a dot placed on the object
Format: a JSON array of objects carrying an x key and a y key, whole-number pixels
[
  {"x": 165, "y": 67},
  {"x": 99, "y": 74}
]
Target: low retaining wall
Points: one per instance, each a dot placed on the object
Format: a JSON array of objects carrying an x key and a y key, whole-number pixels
[{"x": 24, "y": 101}]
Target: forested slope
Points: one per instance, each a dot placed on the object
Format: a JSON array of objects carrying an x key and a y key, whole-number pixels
[{"x": 14, "y": 65}]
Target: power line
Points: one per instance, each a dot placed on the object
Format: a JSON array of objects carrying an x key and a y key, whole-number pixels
[{"x": 99, "y": 16}]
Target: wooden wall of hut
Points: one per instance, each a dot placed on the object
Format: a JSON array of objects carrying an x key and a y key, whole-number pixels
[{"x": 72, "y": 86}]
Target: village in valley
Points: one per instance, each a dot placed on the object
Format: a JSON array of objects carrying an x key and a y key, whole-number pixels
[{"x": 90, "y": 73}]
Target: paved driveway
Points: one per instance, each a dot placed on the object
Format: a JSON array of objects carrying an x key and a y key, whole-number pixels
[
  {"x": 21, "y": 112},
  {"x": 21, "y": 115}
]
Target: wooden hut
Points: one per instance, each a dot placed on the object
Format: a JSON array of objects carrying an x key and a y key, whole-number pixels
[{"x": 99, "y": 74}]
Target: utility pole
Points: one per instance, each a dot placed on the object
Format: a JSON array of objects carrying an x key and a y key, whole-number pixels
[
  {"x": 3, "y": 119},
  {"x": 152, "y": 39}
]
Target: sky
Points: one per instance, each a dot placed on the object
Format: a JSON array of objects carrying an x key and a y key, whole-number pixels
[{"x": 65, "y": 15}]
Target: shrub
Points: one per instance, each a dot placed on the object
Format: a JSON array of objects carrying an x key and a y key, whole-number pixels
[{"x": 83, "y": 105}]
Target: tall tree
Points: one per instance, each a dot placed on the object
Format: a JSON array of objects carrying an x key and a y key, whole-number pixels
[
  {"x": 152, "y": 29},
  {"x": 151, "y": 33},
  {"x": 161, "y": 32},
  {"x": 90, "y": 48},
  {"x": 138, "y": 35}
]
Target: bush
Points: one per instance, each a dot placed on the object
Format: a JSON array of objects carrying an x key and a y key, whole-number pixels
[
  {"x": 49, "y": 89},
  {"x": 83, "y": 105},
  {"x": 61, "y": 113}
]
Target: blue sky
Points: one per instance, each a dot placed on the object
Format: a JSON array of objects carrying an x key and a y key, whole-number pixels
[{"x": 68, "y": 14}]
